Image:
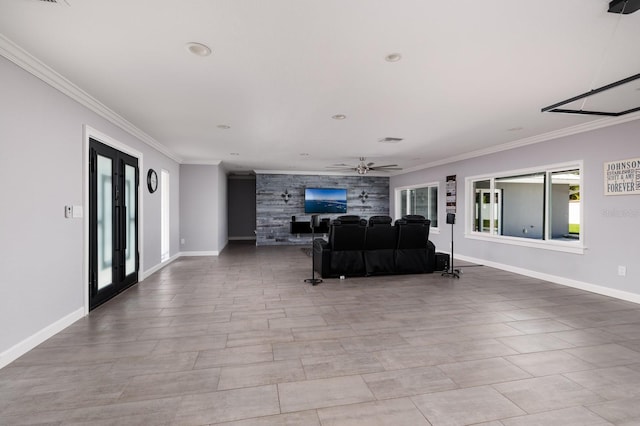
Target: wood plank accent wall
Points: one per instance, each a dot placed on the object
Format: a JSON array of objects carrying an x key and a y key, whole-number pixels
[{"x": 273, "y": 215}]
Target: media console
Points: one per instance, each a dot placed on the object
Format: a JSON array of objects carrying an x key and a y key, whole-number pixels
[{"x": 304, "y": 227}]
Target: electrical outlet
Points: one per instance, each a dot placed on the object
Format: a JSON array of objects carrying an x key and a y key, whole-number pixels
[
  {"x": 182, "y": 241},
  {"x": 622, "y": 271},
  {"x": 68, "y": 212}
]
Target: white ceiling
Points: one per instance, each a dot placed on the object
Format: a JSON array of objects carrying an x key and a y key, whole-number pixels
[{"x": 473, "y": 75}]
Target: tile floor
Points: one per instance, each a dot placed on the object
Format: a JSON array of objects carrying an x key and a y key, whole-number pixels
[{"x": 241, "y": 340}]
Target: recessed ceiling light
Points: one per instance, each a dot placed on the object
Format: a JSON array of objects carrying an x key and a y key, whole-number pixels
[
  {"x": 223, "y": 126},
  {"x": 515, "y": 129},
  {"x": 304, "y": 154},
  {"x": 339, "y": 117},
  {"x": 234, "y": 153},
  {"x": 198, "y": 49},
  {"x": 393, "y": 57}
]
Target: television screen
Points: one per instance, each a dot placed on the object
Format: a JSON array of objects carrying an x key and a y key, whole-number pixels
[{"x": 325, "y": 200}]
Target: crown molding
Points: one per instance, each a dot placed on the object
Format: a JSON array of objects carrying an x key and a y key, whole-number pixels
[
  {"x": 201, "y": 162},
  {"x": 317, "y": 173},
  {"x": 37, "y": 68},
  {"x": 568, "y": 131}
]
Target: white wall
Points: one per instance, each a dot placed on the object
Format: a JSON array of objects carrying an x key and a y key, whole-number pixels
[
  {"x": 222, "y": 216},
  {"x": 203, "y": 209},
  {"x": 41, "y": 170},
  {"x": 611, "y": 227}
]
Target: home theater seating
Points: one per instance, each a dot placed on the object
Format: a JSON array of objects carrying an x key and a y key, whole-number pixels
[{"x": 356, "y": 247}]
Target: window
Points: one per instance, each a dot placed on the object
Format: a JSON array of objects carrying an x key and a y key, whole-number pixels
[
  {"x": 165, "y": 228},
  {"x": 419, "y": 199},
  {"x": 530, "y": 207}
]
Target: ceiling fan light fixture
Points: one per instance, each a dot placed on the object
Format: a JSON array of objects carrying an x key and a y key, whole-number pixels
[
  {"x": 362, "y": 169},
  {"x": 198, "y": 49},
  {"x": 624, "y": 7}
]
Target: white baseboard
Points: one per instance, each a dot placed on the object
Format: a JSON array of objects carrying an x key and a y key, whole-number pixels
[
  {"x": 146, "y": 274},
  {"x": 581, "y": 285},
  {"x": 34, "y": 340},
  {"x": 19, "y": 349},
  {"x": 242, "y": 238},
  {"x": 199, "y": 253}
]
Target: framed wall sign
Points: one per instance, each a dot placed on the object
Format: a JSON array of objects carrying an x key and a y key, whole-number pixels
[
  {"x": 622, "y": 177},
  {"x": 451, "y": 193}
]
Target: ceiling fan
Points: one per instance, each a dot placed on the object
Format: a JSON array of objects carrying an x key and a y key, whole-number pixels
[{"x": 363, "y": 168}]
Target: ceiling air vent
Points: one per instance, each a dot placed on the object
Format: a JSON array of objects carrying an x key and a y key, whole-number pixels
[
  {"x": 63, "y": 2},
  {"x": 389, "y": 140}
]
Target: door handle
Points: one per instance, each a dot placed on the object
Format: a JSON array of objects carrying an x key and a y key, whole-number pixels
[
  {"x": 117, "y": 237},
  {"x": 124, "y": 227}
]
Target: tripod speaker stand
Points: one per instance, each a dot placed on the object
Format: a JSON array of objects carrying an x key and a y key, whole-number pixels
[
  {"x": 315, "y": 222},
  {"x": 451, "y": 272}
]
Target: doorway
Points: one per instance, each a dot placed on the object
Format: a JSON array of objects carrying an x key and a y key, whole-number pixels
[{"x": 113, "y": 222}]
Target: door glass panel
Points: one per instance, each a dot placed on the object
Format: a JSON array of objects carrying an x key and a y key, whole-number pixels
[
  {"x": 130, "y": 218},
  {"x": 105, "y": 220}
]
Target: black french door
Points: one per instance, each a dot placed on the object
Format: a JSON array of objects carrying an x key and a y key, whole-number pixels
[{"x": 113, "y": 222}]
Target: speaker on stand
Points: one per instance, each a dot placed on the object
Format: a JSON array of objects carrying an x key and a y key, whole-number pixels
[
  {"x": 314, "y": 223},
  {"x": 452, "y": 272}
]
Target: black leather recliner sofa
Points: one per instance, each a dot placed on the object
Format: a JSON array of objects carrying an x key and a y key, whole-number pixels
[
  {"x": 379, "y": 246},
  {"x": 342, "y": 254},
  {"x": 355, "y": 249},
  {"x": 412, "y": 251}
]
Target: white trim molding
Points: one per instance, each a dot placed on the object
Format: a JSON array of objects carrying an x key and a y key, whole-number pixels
[
  {"x": 146, "y": 274},
  {"x": 199, "y": 253},
  {"x": 21, "y": 348},
  {"x": 202, "y": 162},
  {"x": 573, "y": 130},
  {"x": 581, "y": 285},
  {"x": 319, "y": 173}
]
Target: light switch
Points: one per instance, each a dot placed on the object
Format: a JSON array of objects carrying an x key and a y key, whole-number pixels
[{"x": 78, "y": 211}]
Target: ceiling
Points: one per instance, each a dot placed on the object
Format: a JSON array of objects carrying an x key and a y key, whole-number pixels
[{"x": 473, "y": 75}]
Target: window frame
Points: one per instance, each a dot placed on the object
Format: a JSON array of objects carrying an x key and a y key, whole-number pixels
[
  {"x": 577, "y": 246},
  {"x": 398, "y": 201}
]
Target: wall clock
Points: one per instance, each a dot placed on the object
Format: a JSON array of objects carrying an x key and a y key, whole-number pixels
[{"x": 152, "y": 181}]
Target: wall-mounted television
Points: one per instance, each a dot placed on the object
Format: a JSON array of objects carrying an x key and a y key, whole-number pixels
[{"x": 325, "y": 200}]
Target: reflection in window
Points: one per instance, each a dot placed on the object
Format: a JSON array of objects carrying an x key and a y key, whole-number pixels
[
  {"x": 422, "y": 200},
  {"x": 482, "y": 219},
  {"x": 540, "y": 205},
  {"x": 522, "y": 205},
  {"x": 565, "y": 205}
]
